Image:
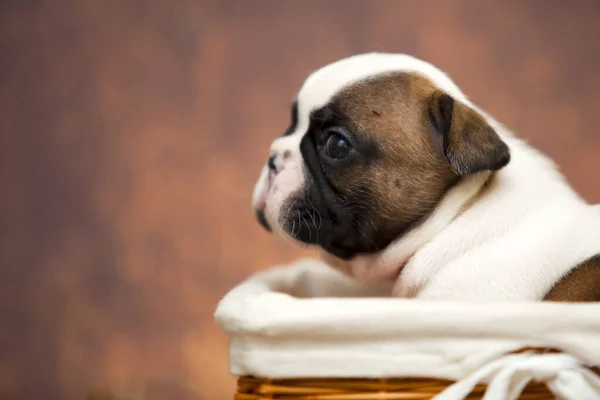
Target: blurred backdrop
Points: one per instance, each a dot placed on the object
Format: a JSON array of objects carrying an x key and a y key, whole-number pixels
[{"x": 131, "y": 135}]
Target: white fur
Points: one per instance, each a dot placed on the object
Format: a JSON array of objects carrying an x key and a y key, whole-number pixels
[
  {"x": 287, "y": 182},
  {"x": 514, "y": 243}
]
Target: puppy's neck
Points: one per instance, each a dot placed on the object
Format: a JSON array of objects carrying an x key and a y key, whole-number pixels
[{"x": 388, "y": 263}]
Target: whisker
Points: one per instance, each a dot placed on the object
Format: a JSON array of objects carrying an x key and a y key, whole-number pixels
[
  {"x": 318, "y": 213},
  {"x": 314, "y": 223},
  {"x": 309, "y": 230},
  {"x": 299, "y": 223},
  {"x": 287, "y": 237}
]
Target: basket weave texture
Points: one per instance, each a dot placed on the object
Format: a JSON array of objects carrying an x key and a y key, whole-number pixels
[
  {"x": 256, "y": 388},
  {"x": 360, "y": 389}
]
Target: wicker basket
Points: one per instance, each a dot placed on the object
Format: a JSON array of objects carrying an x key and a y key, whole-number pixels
[
  {"x": 304, "y": 332},
  {"x": 361, "y": 389}
]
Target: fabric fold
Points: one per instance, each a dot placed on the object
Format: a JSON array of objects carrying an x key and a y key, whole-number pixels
[{"x": 307, "y": 320}]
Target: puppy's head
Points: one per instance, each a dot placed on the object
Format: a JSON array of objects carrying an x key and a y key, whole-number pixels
[{"x": 375, "y": 142}]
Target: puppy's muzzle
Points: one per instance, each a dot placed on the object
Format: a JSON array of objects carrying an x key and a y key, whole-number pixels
[{"x": 260, "y": 210}]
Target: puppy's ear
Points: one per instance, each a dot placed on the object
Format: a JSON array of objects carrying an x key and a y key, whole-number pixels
[{"x": 469, "y": 143}]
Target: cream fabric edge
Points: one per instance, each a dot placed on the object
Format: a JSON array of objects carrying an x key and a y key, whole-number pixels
[{"x": 307, "y": 320}]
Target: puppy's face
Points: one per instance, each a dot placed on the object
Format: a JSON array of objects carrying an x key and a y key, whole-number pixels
[{"x": 374, "y": 144}]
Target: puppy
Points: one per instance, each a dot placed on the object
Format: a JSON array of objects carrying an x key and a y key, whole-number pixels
[{"x": 394, "y": 174}]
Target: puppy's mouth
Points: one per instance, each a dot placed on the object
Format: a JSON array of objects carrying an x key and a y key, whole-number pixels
[{"x": 261, "y": 202}]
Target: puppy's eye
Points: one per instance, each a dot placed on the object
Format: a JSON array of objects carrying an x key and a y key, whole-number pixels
[{"x": 337, "y": 146}]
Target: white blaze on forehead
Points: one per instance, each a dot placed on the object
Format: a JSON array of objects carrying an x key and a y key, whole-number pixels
[{"x": 322, "y": 85}]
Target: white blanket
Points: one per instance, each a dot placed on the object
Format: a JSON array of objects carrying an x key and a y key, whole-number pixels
[{"x": 307, "y": 320}]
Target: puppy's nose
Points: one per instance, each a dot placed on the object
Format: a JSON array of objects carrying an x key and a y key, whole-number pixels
[{"x": 271, "y": 163}]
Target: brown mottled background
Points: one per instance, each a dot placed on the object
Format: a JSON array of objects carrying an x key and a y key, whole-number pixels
[{"x": 131, "y": 133}]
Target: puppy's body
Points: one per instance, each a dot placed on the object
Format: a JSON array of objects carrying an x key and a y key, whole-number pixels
[{"x": 433, "y": 193}]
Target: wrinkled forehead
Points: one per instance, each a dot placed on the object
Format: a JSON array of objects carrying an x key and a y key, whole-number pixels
[{"x": 324, "y": 84}]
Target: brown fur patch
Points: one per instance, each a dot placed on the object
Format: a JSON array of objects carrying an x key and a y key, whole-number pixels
[
  {"x": 426, "y": 141},
  {"x": 411, "y": 174},
  {"x": 581, "y": 284}
]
